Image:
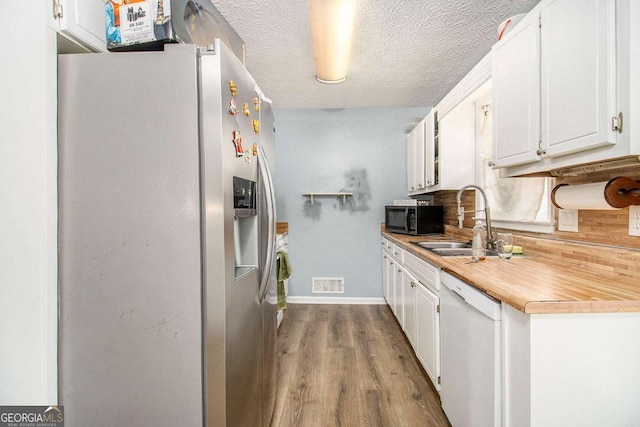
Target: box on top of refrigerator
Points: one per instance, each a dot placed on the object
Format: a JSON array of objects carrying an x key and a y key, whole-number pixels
[{"x": 149, "y": 24}]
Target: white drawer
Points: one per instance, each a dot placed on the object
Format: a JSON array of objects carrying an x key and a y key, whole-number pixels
[
  {"x": 426, "y": 273},
  {"x": 398, "y": 253}
]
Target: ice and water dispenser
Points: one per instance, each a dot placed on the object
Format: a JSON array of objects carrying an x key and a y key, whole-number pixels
[{"x": 245, "y": 226}]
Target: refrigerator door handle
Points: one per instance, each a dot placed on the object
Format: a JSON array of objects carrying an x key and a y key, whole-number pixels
[{"x": 267, "y": 182}]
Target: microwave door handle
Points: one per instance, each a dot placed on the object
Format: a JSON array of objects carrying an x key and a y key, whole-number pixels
[{"x": 406, "y": 219}]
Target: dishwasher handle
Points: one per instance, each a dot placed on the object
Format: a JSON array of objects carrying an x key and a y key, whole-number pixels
[{"x": 460, "y": 295}]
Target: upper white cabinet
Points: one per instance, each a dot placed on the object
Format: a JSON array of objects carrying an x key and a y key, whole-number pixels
[
  {"x": 557, "y": 86},
  {"x": 516, "y": 94},
  {"x": 83, "y": 21},
  {"x": 577, "y": 74},
  {"x": 431, "y": 145},
  {"x": 440, "y": 153},
  {"x": 416, "y": 158}
]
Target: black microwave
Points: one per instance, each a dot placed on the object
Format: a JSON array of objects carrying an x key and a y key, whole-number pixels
[{"x": 415, "y": 220}]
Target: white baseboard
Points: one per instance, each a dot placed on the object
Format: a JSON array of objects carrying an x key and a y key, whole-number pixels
[{"x": 336, "y": 300}]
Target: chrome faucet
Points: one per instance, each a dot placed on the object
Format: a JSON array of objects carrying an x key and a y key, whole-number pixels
[{"x": 491, "y": 241}]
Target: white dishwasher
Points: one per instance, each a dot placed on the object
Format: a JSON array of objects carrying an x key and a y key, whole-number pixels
[{"x": 470, "y": 334}]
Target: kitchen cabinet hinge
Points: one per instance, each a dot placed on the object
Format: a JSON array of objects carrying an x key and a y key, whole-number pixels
[
  {"x": 438, "y": 308},
  {"x": 438, "y": 380},
  {"x": 57, "y": 9},
  {"x": 540, "y": 22},
  {"x": 616, "y": 123}
]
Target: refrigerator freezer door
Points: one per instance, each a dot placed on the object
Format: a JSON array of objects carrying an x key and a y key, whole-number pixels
[{"x": 233, "y": 314}]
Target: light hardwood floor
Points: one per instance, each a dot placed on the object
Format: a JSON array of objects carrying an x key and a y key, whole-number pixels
[{"x": 350, "y": 365}]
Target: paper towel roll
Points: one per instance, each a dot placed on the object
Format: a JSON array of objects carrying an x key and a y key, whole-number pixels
[{"x": 609, "y": 195}]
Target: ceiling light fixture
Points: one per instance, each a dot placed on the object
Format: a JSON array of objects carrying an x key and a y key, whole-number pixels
[{"x": 332, "y": 27}]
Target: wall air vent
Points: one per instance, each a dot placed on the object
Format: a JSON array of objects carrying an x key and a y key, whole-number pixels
[{"x": 328, "y": 285}]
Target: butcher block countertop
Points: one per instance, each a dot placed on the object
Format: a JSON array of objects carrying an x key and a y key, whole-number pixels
[{"x": 539, "y": 283}]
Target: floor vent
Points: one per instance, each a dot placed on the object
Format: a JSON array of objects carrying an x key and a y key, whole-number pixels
[{"x": 328, "y": 285}]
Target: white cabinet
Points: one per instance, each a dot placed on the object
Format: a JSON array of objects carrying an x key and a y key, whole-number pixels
[
  {"x": 424, "y": 164},
  {"x": 83, "y": 21},
  {"x": 398, "y": 293},
  {"x": 577, "y": 74},
  {"x": 388, "y": 264},
  {"x": 578, "y": 369},
  {"x": 516, "y": 94},
  {"x": 554, "y": 85},
  {"x": 431, "y": 150},
  {"x": 385, "y": 276},
  {"x": 412, "y": 286},
  {"x": 409, "y": 283},
  {"x": 427, "y": 330},
  {"x": 416, "y": 159}
]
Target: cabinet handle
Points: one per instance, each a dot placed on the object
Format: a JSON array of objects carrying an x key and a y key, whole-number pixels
[
  {"x": 399, "y": 271},
  {"x": 541, "y": 152},
  {"x": 413, "y": 188},
  {"x": 413, "y": 284},
  {"x": 491, "y": 164},
  {"x": 391, "y": 263},
  {"x": 385, "y": 257}
]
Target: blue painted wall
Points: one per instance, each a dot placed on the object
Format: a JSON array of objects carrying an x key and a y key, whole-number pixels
[{"x": 357, "y": 150}]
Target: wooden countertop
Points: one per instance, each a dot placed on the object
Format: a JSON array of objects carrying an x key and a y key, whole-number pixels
[{"x": 538, "y": 284}]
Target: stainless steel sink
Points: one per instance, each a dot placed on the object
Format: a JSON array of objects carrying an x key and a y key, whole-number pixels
[{"x": 437, "y": 245}]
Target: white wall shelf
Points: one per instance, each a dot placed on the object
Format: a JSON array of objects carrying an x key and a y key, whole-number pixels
[{"x": 340, "y": 194}]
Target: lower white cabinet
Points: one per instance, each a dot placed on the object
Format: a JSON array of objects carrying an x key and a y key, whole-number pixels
[
  {"x": 427, "y": 330},
  {"x": 573, "y": 369},
  {"x": 398, "y": 294},
  {"x": 385, "y": 275},
  {"x": 409, "y": 285}
]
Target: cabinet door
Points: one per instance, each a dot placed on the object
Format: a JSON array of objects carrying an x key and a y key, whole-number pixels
[
  {"x": 83, "y": 21},
  {"x": 391, "y": 265},
  {"x": 578, "y": 75},
  {"x": 409, "y": 283},
  {"x": 431, "y": 150},
  {"x": 411, "y": 167},
  {"x": 516, "y": 94},
  {"x": 385, "y": 275},
  {"x": 419, "y": 159},
  {"x": 428, "y": 332},
  {"x": 416, "y": 158},
  {"x": 398, "y": 298}
]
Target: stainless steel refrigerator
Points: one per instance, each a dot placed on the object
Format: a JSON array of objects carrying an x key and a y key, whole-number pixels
[{"x": 167, "y": 230}]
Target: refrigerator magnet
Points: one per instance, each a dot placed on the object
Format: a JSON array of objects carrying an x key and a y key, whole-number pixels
[
  {"x": 256, "y": 104},
  {"x": 256, "y": 126},
  {"x": 233, "y": 88},
  {"x": 233, "y": 107},
  {"x": 247, "y": 156},
  {"x": 245, "y": 109},
  {"x": 254, "y": 149},
  {"x": 237, "y": 141}
]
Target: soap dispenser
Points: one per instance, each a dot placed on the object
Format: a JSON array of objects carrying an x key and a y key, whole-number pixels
[{"x": 479, "y": 243}]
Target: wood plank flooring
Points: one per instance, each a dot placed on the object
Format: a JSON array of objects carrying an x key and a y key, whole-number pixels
[{"x": 350, "y": 365}]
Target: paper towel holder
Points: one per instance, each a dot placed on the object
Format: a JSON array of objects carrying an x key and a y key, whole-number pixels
[{"x": 618, "y": 193}]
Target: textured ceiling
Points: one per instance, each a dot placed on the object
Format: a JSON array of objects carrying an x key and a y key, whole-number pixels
[{"x": 406, "y": 53}]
